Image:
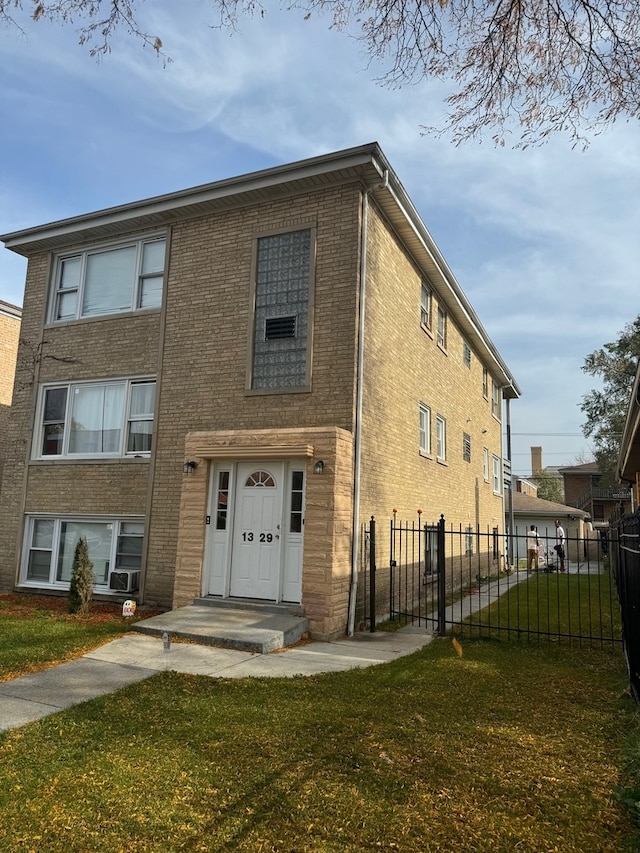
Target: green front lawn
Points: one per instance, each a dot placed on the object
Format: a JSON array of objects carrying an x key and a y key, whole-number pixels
[
  {"x": 38, "y": 631},
  {"x": 510, "y": 747},
  {"x": 557, "y": 604}
]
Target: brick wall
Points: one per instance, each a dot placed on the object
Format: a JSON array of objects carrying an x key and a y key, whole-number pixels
[
  {"x": 404, "y": 367},
  {"x": 207, "y": 333},
  {"x": 198, "y": 346},
  {"x": 9, "y": 334},
  {"x": 80, "y": 350}
]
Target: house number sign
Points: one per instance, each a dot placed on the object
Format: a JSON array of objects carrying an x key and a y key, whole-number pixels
[{"x": 249, "y": 536}]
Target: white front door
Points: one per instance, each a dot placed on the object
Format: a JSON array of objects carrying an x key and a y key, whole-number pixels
[{"x": 255, "y": 561}]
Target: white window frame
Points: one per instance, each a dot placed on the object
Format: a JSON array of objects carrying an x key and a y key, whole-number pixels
[
  {"x": 58, "y": 291},
  {"x": 425, "y": 306},
  {"x": 425, "y": 429},
  {"x": 442, "y": 328},
  {"x": 468, "y": 540},
  {"x": 111, "y": 565},
  {"x": 441, "y": 438},
  {"x": 497, "y": 475},
  {"x": 496, "y": 399},
  {"x": 125, "y": 422},
  {"x": 485, "y": 464}
]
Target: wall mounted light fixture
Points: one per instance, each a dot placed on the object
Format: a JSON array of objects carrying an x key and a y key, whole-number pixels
[
  {"x": 189, "y": 467},
  {"x": 318, "y": 468}
]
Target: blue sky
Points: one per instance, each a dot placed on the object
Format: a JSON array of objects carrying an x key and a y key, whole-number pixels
[{"x": 544, "y": 241}]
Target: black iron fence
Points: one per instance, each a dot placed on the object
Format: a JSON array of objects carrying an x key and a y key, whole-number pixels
[
  {"x": 624, "y": 546},
  {"x": 483, "y": 582}
]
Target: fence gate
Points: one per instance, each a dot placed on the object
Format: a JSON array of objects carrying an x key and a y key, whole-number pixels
[{"x": 476, "y": 582}]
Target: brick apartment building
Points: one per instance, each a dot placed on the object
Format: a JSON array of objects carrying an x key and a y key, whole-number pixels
[
  {"x": 584, "y": 488},
  {"x": 9, "y": 335},
  {"x": 233, "y": 378}
]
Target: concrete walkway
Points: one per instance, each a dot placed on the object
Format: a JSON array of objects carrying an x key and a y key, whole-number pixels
[{"x": 135, "y": 656}]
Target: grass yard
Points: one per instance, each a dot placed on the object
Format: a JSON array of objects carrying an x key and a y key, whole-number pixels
[
  {"x": 558, "y": 604},
  {"x": 38, "y": 631},
  {"x": 510, "y": 747}
]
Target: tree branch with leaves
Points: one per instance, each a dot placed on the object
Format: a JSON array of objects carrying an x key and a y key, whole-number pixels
[{"x": 605, "y": 408}]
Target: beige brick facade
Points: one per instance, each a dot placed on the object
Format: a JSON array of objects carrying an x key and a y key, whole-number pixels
[
  {"x": 10, "y": 316},
  {"x": 359, "y": 413}
]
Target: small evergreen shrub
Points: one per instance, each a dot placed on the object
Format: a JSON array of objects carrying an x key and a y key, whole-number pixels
[{"x": 81, "y": 586}]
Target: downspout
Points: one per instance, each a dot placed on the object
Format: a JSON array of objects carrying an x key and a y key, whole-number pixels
[{"x": 355, "y": 533}]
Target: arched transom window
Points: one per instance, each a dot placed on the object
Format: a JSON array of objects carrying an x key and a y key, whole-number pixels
[{"x": 261, "y": 479}]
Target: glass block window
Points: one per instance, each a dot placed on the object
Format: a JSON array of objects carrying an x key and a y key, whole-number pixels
[{"x": 280, "y": 349}]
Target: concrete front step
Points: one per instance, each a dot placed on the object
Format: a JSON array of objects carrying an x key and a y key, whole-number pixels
[
  {"x": 249, "y": 604},
  {"x": 247, "y": 630}
]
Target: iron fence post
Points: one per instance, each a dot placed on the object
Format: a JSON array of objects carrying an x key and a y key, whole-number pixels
[
  {"x": 442, "y": 583},
  {"x": 372, "y": 575}
]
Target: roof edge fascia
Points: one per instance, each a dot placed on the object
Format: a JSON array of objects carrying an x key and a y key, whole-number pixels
[
  {"x": 402, "y": 199},
  {"x": 174, "y": 201},
  {"x": 631, "y": 429}
]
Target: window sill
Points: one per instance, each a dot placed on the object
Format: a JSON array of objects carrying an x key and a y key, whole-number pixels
[
  {"x": 425, "y": 455},
  {"x": 260, "y": 392},
  {"x": 442, "y": 462},
  {"x": 116, "y": 315},
  {"x": 426, "y": 330},
  {"x": 442, "y": 349},
  {"x": 89, "y": 460}
]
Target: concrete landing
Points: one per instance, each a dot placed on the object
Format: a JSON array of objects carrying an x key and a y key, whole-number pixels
[{"x": 246, "y": 630}]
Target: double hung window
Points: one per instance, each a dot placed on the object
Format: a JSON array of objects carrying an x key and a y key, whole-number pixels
[
  {"x": 442, "y": 329},
  {"x": 114, "y": 544},
  {"x": 425, "y": 307},
  {"x": 127, "y": 277},
  {"x": 96, "y": 419},
  {"x": 425, "y": 429},
  {"x": 441, "y": 438},
  {"x": 496, "y": 399},
  {"x": 497, "y": 475}
]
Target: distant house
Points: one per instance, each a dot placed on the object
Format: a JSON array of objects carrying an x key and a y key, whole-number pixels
[
  {"x": 584, "y": 490},
  {"x": 628, "y": 468},
  {"x": 526, "y": 487},
  {"x": 10, "y": 317},
  {"x": 528, "y": 510},
  {"x": 233, "y": 379}
]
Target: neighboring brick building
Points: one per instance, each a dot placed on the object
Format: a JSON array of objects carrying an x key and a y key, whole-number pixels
[
  {"x": 9, "y": 334},
  {"x": 293, "y": 332},
  {"x": 584, "y": 489}
]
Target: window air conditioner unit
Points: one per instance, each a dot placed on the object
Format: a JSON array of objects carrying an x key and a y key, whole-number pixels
[{"x": 125, "y": 580}]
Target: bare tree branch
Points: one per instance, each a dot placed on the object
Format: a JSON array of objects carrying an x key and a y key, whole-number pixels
[{"x": 549, "y": 66}]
